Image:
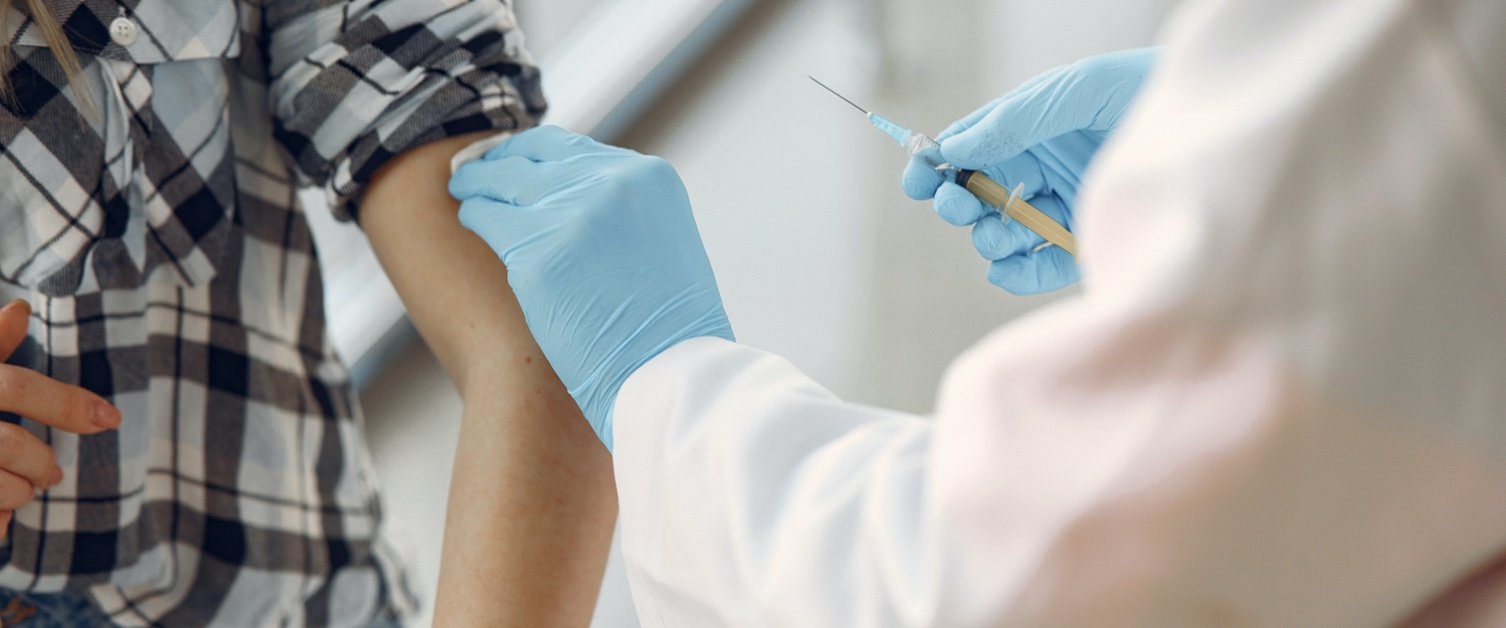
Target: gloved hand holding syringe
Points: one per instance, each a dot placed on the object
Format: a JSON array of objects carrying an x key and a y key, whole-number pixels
[{"x": 923, "y": 148}]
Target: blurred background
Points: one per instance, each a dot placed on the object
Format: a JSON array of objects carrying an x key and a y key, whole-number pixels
[{"x": 819, "y": 255}]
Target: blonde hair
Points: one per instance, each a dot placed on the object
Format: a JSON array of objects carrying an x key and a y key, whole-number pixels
[{"x": 57, "y": 41}]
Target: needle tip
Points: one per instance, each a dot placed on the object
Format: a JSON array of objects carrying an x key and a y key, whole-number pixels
[{"x": 834, "y": 93}]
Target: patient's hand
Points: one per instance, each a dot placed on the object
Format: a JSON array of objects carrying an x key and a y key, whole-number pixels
[{"x": 26, "y": 463}]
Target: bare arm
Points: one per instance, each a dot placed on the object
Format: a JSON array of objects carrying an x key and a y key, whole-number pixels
[{"x": 532, "y": 501}]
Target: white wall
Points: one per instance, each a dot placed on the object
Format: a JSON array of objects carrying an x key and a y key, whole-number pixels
[{"x": 1029, "y": 36}]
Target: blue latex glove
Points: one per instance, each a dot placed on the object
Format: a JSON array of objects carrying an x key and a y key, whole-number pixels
[
  {"x": 1043, "y": 134},
  {"x": 602, "y": 252}
]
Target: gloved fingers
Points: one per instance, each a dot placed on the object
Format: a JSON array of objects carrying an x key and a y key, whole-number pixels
[
  {"x": 996, "y": 237},
  {"x": 1026, "y": 169},
  {"x": 1044, "y": 270},
  {"x": 1112, "y": 81},
  {"x": 958, "y": 207},
  {"x": 1063, "y": 159},
  {"x": 1051, "y": 205},
  {"x": 1091, "y": 94},
  {"x": 489, "y": 219},
  {"x": 515, "y": 180},
  {"x": 966, "y": 122},
  {"x": 1023, "y": 262},
  {"x": 1058, "y": 104},
  {"x": 547, "y": 143},
  {"x": 920, "y": 180},
  {"x": 505, "y": 226},
  {"x": 1019, "y": 122}
]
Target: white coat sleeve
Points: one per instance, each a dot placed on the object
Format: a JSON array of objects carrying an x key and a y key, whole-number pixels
[
  {"x": 1279, "y": 401},
  {"x": 786, "y": 479}
]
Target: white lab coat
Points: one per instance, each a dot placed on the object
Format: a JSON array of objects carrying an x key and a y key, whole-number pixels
[{"x": 1280, "y": 400}]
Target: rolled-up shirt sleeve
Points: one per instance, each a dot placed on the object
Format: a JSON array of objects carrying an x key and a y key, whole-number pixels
[{"x": 354, "y": 84}]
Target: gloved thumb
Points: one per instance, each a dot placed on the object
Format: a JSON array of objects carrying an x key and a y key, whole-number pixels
[
  {"x": 1021, "y": 120},
  {"x": 1091, "y": 94}
]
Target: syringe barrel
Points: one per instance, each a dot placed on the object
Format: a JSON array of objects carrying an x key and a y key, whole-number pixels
[{"x": 1026, "y": 214}]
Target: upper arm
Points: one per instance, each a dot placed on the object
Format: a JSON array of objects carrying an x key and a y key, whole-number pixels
[
  {"x": 531, "y": 511},
  {"x": 453, "y": 285}
]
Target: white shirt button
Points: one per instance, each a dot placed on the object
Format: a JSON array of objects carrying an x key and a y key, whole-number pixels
[{"x": 123, "y": 31}]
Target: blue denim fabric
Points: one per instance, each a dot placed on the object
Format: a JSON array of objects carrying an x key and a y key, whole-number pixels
[
  {"x": 73, "y": 610},
  {"x": 48, "y": 610}
]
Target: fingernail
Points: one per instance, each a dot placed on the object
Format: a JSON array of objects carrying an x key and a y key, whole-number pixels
[
  {"x": 57, "y": 476},
  {"x": 22, "y": 303},
  {"x": 105, "y": 417}
]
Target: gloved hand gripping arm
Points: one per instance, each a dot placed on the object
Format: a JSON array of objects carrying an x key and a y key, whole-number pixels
[{"x": 602, "y": 252}]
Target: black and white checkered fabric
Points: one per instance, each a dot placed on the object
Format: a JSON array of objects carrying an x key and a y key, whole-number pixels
[{"x": 148, "y": 211}]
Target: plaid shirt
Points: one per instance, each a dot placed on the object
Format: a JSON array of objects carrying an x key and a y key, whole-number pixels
[{"x": 157, "y": 234}]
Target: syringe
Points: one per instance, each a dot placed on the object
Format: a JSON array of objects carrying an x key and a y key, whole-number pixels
[{"x": 925, "y": 149}]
